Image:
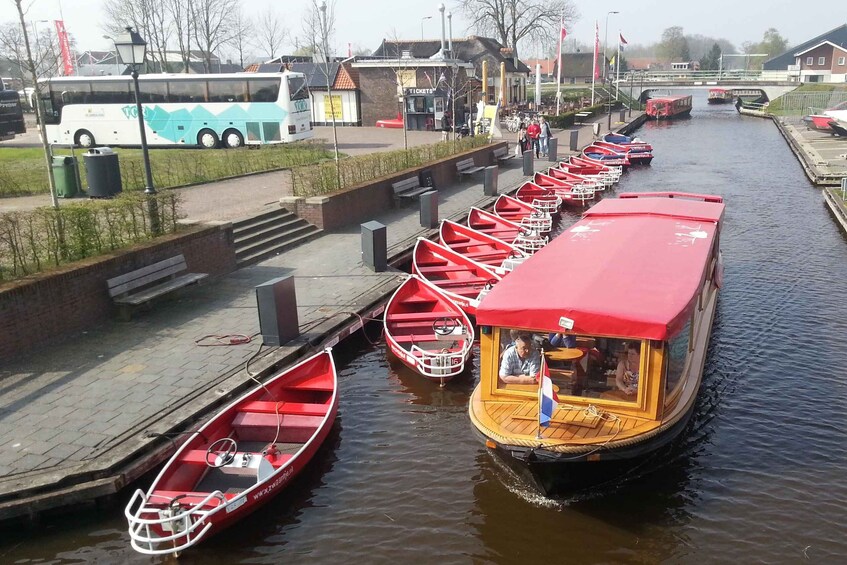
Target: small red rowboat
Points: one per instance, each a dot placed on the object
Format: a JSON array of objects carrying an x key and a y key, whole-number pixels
[
  {"x": 238, "y": 460},
  {"x": 464, "y": 280},
  {"x": 637, "y": 155},
  {"x": 606, "y": 156},
  {"x": 539, "y": 197},
  {"x": 593, "y": 182},
  {"x": 427, "y": 331},
  {"x": 506, "y": 230},
  {"x": 593, "y": 163},
  {"x": 572, "y": 193},
  {"x": 522, "y": 213},
  {"x": 500, "y": 256}
]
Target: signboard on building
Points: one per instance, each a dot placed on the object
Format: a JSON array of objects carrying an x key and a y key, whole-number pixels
[{"x": 332, "y": 112}]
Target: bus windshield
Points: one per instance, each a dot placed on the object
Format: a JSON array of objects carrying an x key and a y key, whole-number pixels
[{"x": 297, "y": 88}]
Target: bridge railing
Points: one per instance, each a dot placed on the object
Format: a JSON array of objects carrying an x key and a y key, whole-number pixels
[{"x": 732, "y": 75}]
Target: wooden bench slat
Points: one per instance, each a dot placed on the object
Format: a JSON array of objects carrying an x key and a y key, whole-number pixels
[
  {"x": 467, "y": 167},
  {"x": 160, "y": 266},
  {"x": 150, "y": 293}
]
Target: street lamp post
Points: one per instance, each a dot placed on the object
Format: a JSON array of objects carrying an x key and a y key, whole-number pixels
[
  {"x": 132, "y": 50},
  {"x": 422, "y": 21},
  {"x": 606, "y": 44}
]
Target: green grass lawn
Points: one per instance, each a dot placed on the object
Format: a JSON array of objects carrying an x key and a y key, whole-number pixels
[{"x": 23, "y": 170}]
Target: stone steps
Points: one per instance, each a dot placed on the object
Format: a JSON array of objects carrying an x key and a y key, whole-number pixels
[{"x": 268, "y": 234}]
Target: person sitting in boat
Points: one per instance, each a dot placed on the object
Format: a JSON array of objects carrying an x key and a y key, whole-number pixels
[
  {"x": 626, "y": 375},
  {"x": 521, "y": 362},
  {"x": 562, "y": 340}
]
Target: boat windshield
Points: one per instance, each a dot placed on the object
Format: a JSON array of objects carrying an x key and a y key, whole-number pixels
[{"x": 580, "y": 365}]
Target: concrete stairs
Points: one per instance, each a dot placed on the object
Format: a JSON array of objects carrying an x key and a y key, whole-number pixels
[{"x": 269, "y": 234}]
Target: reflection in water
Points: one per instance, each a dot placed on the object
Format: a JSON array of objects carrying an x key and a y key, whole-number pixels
[{"x": 757, "y": 476}]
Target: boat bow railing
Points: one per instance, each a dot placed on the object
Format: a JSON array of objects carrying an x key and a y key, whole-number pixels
[
  {"x": 183, "y": 524},
  {"x": 530, "y": 243},
  {"x": 538, "y": 221},
  {"x": 440, "y": 363},
  {"x": 547, "y": 204}
]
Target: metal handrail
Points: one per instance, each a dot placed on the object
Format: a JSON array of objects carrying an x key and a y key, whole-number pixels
[{"x": 440, "y": 364}]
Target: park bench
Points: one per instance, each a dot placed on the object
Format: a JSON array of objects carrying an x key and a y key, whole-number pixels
[
  {"x": 409, "y": 188},
  {"x": 502, "y": 154},
  {"x": 580, "y": 117},
  {"x": 467, "y": 167},
  {"x": 147, "y": 283}
]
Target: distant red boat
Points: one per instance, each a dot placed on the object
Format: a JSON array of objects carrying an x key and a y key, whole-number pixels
[
  {"x": 463, "y": 280},
  {"x": 571, "y": 193},
  {"x": 720, "y": 96},
  {"x": 627, "y": 141},
  {"x": 819, "y": 122},
  {"x": 494, "y": 253},
  {"x": 493, "y": 225},
  {"x": 427, "y": 331},
  {"x": 524, "y": 214},
  {"x": 638, "y": 155},
  {"x": 238, "y": 460},
  {"x": 668, "y": 107},
  {"x": 606, "y": 156}
]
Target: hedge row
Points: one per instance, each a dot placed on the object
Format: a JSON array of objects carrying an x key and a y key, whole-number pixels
[
  {"x": 36, "y": 240},
  {"x": 323, "y": 178},
  {"x": 568, "y": 118}
]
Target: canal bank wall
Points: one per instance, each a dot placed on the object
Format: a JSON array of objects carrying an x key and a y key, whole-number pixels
[{"x": 87, "y": 417}]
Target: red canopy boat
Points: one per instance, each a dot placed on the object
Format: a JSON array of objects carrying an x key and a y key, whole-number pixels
[
  {"x": 238, "y": 460},
  {"x": 463, "y": 280},
  {"x": 481, "y": 247},
  {"x": 720, "y": 96},
  {"x": 522, "y": 213},
  {"x": 521, "y": 237},
  {"x": 427, "y": 331},
  {"x": 667, "y": 107}
]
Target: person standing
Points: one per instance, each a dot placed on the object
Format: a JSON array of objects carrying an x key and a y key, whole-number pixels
[
  {"x": 544, "y": 136},
  {"x": 533, "y": 132},
  {"x": 445, "y": 126}
]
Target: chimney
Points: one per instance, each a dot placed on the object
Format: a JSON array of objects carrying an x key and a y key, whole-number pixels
[
  {"x": 443, "y": 31},
  {"x": 450, "y": 34}
]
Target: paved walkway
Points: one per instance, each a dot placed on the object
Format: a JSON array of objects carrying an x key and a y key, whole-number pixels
[{"x": 82, "y": 410}]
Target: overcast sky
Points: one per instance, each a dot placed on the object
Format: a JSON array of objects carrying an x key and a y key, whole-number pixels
[{"x": 365, "y": 22}]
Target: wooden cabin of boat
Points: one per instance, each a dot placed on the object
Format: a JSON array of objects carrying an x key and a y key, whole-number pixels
[
  {"x": 667, "y": 107},
  {"x": 641, "y": 269}
]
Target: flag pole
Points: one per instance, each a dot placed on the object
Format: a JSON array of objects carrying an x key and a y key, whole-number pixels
[
  {"x": 540, "y": 386},
  {"x": 559, "y": 65},
  {"x": 618, "y": 68},
  {"x": 594, "y": 65}
]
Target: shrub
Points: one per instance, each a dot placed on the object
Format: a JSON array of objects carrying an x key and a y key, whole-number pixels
[{"x": 37, "y": 240}]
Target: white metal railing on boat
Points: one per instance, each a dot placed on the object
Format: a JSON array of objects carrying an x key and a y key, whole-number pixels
[
  {"x": 530, "y": 243},
  {"x": 182, "y": 524},
  {"x": 443, "y": 363},
  {"x": 511, "y": 262},
  {"x": 538, "y": 221},
  {"x": 548, "y": 204}
]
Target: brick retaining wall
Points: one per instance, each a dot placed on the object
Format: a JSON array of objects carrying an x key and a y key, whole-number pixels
[
  {"x": 362, "y": 202},
  {"x": 51, "y": 306}
]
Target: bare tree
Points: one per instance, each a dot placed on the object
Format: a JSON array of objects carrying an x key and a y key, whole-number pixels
[
  {"x": 510, "y": 21},
  {"x": 270, "y": 34},
  {"x": 148, "y": 17},
  {"x": 242, "y": 31},
  {"x": 212, "y": 21},
  {"x": 405, "y": 75},
  {"x": 180, "y": 12},
  {"x": 324, "y": 17}
]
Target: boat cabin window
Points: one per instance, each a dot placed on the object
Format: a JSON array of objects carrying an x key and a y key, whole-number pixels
[
  {"x": 580, "y": 365},
  {"x": 677, "y": 353}
]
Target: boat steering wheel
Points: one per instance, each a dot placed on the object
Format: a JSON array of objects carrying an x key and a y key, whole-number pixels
[
  {"x": 222, "y": 456},
  {"x": 444, "y": 326},
  {"x": 515, "y": 254},
  {"x": 489, "y": 284}
]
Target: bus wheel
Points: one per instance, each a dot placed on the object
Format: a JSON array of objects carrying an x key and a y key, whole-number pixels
[
  {"x": 207, "y": 139},
  {"x": 83, "y": 138},
  {"x": 233, "y": 139}
]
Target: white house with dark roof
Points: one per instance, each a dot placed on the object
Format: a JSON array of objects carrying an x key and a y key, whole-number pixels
[{"x": 820, "y": 59}]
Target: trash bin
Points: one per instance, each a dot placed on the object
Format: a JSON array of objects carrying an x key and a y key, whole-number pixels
[
  {"x": 65, "y": 176},
  {"x": 103, "y": 172},
  {"x": 425, "y": 178}
]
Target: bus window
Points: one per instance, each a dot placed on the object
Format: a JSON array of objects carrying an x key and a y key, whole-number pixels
[
  {"x": 264, "y": 90},
  {"x": 187, "y": 91},
  {"x": 297, "y": 88},
  {"x": 70, "y": 93},
  {"x": 153, "y": 91},
  {"x": 227, "y": 91},
  {"x": 110, "y": 93}
]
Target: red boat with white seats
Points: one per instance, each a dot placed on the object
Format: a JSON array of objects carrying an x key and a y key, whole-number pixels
[
  {"x": 572, "y": 193},
  {"x": 500, "y": 256},
  {"x": 427, "y": 331},
  {"x": 238, "y": 460},
  {"x": 606, "y": 156},
  {"x": 637, "y": 155},
  {"x": 524, "y": 214},
  {"x": 463, "y": 280},
  {"x": 539, "y": 197},
  {"x": 493, "y": 225},
  {"x": 593, "y": 182}
]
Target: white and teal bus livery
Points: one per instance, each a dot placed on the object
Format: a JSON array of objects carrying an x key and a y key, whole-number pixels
[{"x": 209, "y": 111}]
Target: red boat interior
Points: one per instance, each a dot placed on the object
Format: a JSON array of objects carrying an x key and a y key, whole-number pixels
[
  {"x": 474, "y": 245},
  {"x": 493, "y": 225},
  {"x": 450, "y": 271},
  {"x": 415, "y": 310}
]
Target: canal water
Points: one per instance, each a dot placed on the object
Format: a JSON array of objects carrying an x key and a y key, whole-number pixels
[{"x": 758, "y": 477}]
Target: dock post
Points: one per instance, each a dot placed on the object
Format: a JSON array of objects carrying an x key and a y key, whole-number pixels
[
  {"x": 574, "y": 146},
  {"x": 528, "y": 169},
  {"x": 489, "y": 184},
  {"x": 552, "y": 149},
  {"x": 429, "y": 209},
  {"x": 277, "y": 303},
  {"x": 374, "y": 246}
]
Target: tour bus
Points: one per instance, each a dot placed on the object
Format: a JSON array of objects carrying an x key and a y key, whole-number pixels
[
  {"x": 208, "y": 111},
  {"x": 11, "y": 114}
]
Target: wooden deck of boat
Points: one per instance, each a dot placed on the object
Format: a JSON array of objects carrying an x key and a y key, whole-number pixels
[{"x": 519, "y": 420}]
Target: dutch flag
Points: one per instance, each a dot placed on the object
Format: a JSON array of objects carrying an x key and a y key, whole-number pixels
[{"x": 547, "y": 397}]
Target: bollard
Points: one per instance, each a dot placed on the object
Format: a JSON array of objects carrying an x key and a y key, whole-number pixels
[
  {"x": 552, "y": 149},
  {"x": 489, "y": 183},
  {"x": 574, "y": 146},
  {"x": 528, "y": 169},
  {"x": 429, "y": 209},
  {"x": 277, "y": 304},
  {"x": 595, "y": 127},
  {"x": 623, "y": 116},
  {"x": 374, "y": 246}
]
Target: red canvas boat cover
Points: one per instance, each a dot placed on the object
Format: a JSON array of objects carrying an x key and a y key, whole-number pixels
[{"x": 632, "y": 267}]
